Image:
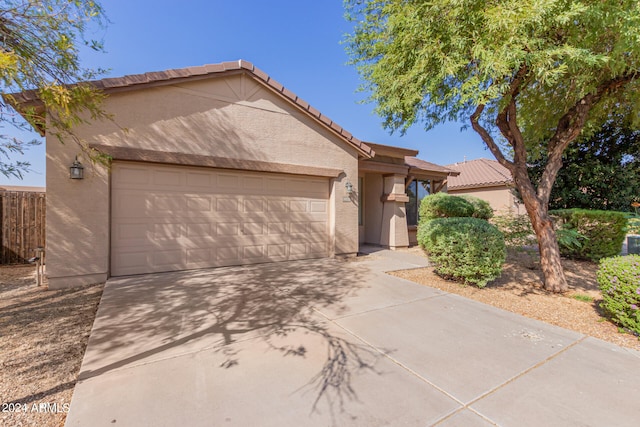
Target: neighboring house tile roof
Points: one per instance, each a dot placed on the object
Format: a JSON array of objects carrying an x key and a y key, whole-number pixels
[
  {"x": 479, "y": 173},
  {"x": 416, "y": 163},
  {"x": 158, "y": 78}
]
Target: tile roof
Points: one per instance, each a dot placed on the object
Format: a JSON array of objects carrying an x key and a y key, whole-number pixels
[
  {"x": 389, "y": 150},
  {"x": 479, "y": 173},
  {"x": 416, "y": 163},
  {"x": 156, "y": 78}
]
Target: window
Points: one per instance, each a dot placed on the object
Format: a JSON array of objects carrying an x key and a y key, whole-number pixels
[{"x": 416, "y": 191}]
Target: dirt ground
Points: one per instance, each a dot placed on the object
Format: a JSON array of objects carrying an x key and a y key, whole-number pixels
[
  {"x": 519, "y": 290},
  {"x": 43, "y": 336}
]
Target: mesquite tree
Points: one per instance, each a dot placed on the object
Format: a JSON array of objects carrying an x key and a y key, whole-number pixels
[
  {"x": 40, "y": 44},
  {"x": 528, "y": 75}
]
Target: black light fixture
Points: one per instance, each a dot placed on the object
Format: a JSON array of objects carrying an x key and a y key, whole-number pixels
[{"x": 76, "y": 170}]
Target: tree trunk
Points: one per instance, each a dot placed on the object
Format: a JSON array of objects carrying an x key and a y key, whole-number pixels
[{"x": 554, "y": 278}]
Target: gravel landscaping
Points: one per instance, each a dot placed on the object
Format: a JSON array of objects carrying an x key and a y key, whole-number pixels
[{"x": 43, "y": 338}]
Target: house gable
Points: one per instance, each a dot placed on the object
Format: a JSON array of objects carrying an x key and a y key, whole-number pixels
[{"x": 223, "y": 124}]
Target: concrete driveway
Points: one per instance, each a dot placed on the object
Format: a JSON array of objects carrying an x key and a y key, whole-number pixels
[{"x": 330, "y": 342}]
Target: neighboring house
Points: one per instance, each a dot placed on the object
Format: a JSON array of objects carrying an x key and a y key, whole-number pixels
[
  {"x": 487, "y": 180},
  {"x": 219, "y": 165}
]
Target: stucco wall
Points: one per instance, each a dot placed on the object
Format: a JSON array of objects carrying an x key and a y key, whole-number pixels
[
  {"x": 77, "y": 220},
  {"x": 233, "y": 117},
  {"x": 500, "y": 198},
  {"x": 373, "y": 189}
]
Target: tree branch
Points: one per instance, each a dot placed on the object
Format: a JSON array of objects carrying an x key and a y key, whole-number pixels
[
  {"x": 488, "y": 139},
  {"x": 569, "y": 127},
  {"x": 507, "y": 119}
]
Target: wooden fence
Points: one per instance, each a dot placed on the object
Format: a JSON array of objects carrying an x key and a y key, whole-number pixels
[{"x": 22, "y": 225}]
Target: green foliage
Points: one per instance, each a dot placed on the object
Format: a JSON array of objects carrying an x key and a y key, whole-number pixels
[
  {"x": 634, "y": 224},
  {"x": 516, "y": 229},
  {"x": 569, "y": 239},
  {"x": 39, "y": 51},
  {"x": 481, "y": 208},
  {"x": 435, "y": 61},
  {"x": 467, "y": 249},
  {"x": 619, "y": 280},
  {"x": 583, "y": 298},
  {"x": 529, "y": 76},
  {"x": 443, "y": 205},
  {"x": 601, "y": 232},
  {"x": 599, "y": 172}
]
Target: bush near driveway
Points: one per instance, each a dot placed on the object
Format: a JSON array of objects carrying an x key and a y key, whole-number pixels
[
  {"x": 619, "y": 280},
  {"x": 443, "y": 205},
  {"x": 603, "y": 231},
  {"x": 467, "y": 249},
  {"x": 481, "y": 208}
]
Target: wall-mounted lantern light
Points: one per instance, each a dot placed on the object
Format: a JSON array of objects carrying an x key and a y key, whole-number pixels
[
  {"x": 76, "y": 170},
  {"x": 349, "y": 187}
]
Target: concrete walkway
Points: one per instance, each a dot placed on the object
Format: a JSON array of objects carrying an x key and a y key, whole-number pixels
[{"x": 331, "y": 342}]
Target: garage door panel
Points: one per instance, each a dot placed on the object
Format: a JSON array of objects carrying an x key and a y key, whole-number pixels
[
  {"x": 171, "y": 218},
  {"x": 199, "y": 180},
  {"x": 168, "y": 178},
  {"x": 197, "y": 257},
  {"x": 132, "y": 175},
  {"x": 254, "y": 205},
  {"x": 228, "y": 181},
  {"x": 227, "y": 254}
]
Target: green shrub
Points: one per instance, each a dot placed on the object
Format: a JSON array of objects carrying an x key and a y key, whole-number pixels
[
  {"x": 634, "y": 224},
  {"x": 443, "y": 205},
  {"x": 602, "y": 232},
  {"x": 481, "y": 208},
  {"x": 569, "y": 239},
  {"x": 516, "y": 229},
  {"x": 467, "y": 249},
  {"x": 619, "y": 280}
]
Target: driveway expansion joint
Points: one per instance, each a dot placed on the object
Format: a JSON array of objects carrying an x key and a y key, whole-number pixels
[
  {"x": 400, "y": 364},
  {"x": 346, "y": 316}
]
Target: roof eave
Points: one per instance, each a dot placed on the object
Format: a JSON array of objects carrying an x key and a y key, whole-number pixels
[
  {"x": 417, "y": 170},
  {"x": 22, "y": 100},
  {"x": 481, "y": 186}
]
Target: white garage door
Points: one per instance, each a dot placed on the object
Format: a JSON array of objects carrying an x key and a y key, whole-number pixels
[{"x": 167, "y": 218}]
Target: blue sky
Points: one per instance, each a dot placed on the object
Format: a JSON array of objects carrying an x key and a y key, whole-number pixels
[{"x": 297, "y": 42}]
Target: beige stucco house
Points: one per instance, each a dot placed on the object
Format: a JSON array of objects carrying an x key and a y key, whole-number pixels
[
  {"x": 214, "y": 166},
  {"x": 486, "y": 179}
]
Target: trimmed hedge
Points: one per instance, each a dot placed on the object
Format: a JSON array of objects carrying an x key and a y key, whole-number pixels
[
  {"x": 516, "y": 229},
  {"x": 443, "y": 205},
  {"x": 481, "y": 208},
  {"x": 619, "y": 280},
  {"x": 466, "y": 249},
  {"x": 603, "y": 231},
  {"x": 634, "y": 224}
]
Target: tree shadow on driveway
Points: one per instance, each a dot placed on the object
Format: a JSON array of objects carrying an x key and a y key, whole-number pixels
[{"x": 158, "y": 316}]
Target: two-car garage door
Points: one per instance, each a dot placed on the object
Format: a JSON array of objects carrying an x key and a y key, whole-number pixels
[{"x": 167, "y": 218}]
